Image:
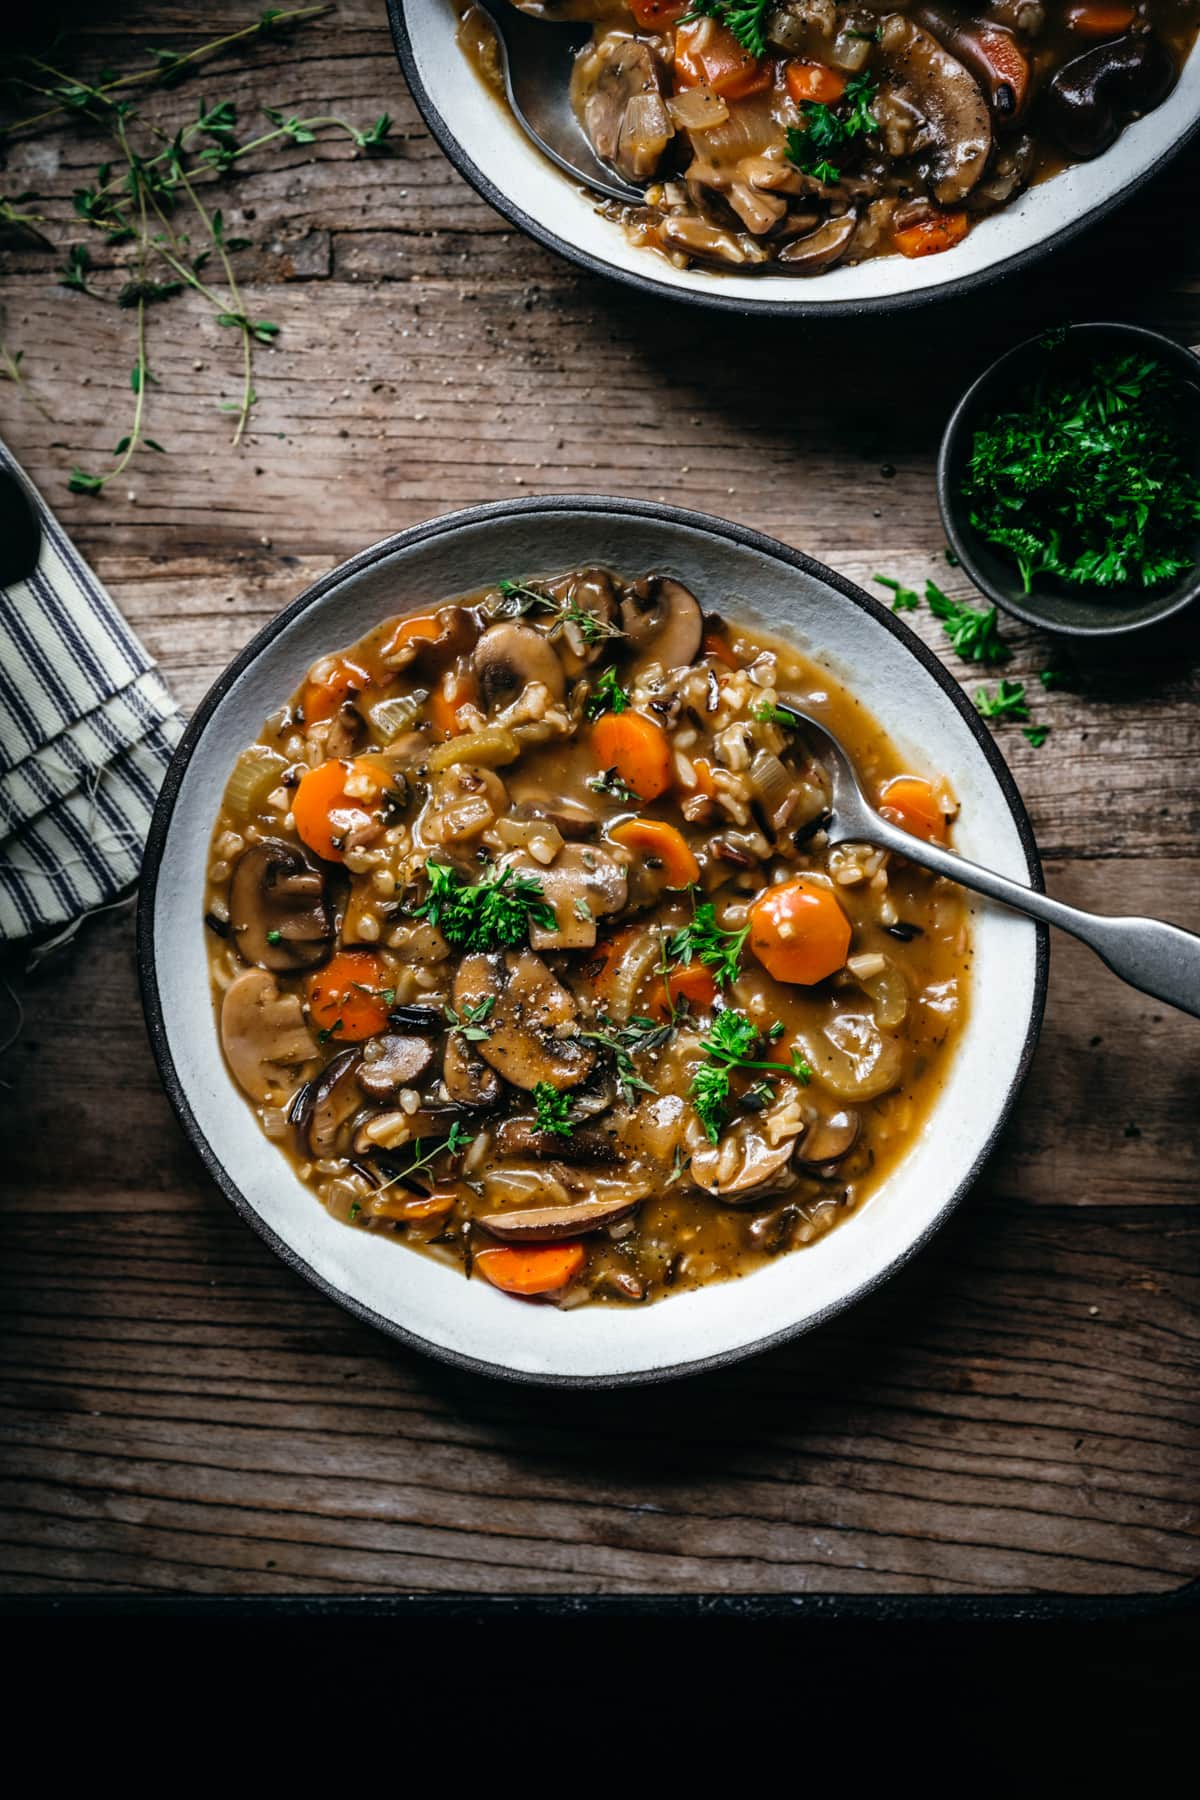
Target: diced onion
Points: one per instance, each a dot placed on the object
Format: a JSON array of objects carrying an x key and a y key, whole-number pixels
[{"x": 697, "y": 109}]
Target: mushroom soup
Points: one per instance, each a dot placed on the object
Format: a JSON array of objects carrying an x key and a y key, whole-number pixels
[
  {"x": 529, "y": 949},
  {"x": 813, "y": 132}
]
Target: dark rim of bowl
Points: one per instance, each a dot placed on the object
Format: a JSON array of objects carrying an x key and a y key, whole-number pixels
[
  {"x": 778, "y": 309},
  {"x": 418, "y": 534},
  {"x": 1181, "y": 357}
]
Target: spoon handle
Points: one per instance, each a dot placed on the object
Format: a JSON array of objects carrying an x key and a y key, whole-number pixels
[{"x": 1160, "y": 959}]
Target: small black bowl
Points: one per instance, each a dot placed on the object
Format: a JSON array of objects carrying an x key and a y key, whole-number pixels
[{"x": 1053, "y": 605}]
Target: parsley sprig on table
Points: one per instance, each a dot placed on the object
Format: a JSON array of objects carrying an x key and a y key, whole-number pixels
[
  {"x": 904, "y": 599},
  {"x": 825, "y": 128},
  {"x": 1008, "y": 701},
  {"x": 972, "y": 630},
  {"x": 744, "y": 18},
  {"x": 705, "y": 941},
  {"x": 493, "y": 914},
  {"x": 730, "y": 1040},
  {"x": 552, "y": 1109},
  {"x": 1090, "y": 476}
]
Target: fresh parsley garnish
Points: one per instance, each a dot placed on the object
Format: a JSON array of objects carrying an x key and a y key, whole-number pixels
[
  {"x": 274, "y": 937},
  {"x": 1049, "y": 677},
  {"x": 1008, "y": 701},
  {"x": 1090, "y": 476},
  {"x": 493, "y": 914},
  {"x": 766, "y": 714},
  {"x": 730, "y": 1039},
  {"x": 552, "y": 1109},
  {"x": 744, "y": 18},
  {"x": 972, "y": 631},
  {"x": 607, "y": 696},
  {"x": 719, "y": 950},
  {"x": 825, "y": 128},
  {"x": 1037, "y": 734},
  {"x": 904, "y": 599},
  {"x": 330, "y": 1031}
]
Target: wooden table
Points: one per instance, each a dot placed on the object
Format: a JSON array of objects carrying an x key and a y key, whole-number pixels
[{"x": 1017, "y": 1412}]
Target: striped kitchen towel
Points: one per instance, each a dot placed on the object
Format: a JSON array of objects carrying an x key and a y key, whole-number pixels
[{"x": 87, "y": 728}]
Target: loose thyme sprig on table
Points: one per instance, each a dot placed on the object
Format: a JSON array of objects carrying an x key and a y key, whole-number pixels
[{"x": 150, "y": 197}]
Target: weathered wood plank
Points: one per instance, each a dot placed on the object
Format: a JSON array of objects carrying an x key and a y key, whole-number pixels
[{"x": 1017, "y": 1411}]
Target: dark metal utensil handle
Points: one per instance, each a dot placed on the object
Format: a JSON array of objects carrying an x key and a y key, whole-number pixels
[
  {"x": 1160, "y": 959},
  {"x": 20, "y": 531}
]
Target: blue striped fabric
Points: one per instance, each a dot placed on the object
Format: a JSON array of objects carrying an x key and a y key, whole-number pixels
[{"x": 87, "y": 728}]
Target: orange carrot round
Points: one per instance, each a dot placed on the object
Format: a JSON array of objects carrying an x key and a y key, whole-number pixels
[
  {"x": 656, "y": 15},
  {"x": 705, "y": 52},
  {"x": 798, "y": 932},
  {"x": 637, "y": 749},
  {"x": 325, "y": 814},
  {"x": 654, "y": 840},
  {"x": 703, "y": 771},
  {"x": 345, "y": 998},
  {"x": 1099, "y": 21},
  {"x": 410, "y": 631},
  {"x": 443, "y": 712},
  {"x": 340, "y": 683},
  {"x": 691, "y": 983},
  {"x": 908, "y": 801},
  {"x": 539, "y": 1269},
  {"x": 928, "y": 237},
  {"x": 813, "y": 81}
]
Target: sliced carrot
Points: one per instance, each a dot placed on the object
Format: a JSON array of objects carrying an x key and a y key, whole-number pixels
[
  {"x": 401, "y": 1203},
  {"x": 443, "y": 712},
  {"x": 909, "y": 801},
  {"x": 411, "y": 631},
  {"x": 692, "y": 984},
  {"x": 654, "y": 839},
  {"x": 540, "y": 1269},
  {"x": 715, "y": 645},
  {"x": 813, "y": 81},
  {"x": 340, "y": 683},
  {"x": 345, "y": 998},
  {"x": 656, "y": 15},
  {"x": 325, "y": 814},
  {"x": 637, "y": 749},
  {"x": 1099, "y": 21},
  {"x": 703, "y": 771},
  {"x": 706, "y": 52},
  {"x": 799, "y": 932},
  {"x": 928, "y": 237}
]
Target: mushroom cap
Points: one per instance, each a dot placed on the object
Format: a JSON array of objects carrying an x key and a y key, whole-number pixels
[
  {"x": 530, "y": 1008},
  {"x": 467, "y": 1078},
  {"x": 822, "y": 247},
  {"x": 759, "y": 1170},
  {"x": 1090, "y": 98},
  {"x": 544, "y": 1224},
  {"x": 400, "y": 1061},
  {"x": 591, "y": 873},
  {"x": 326, "y": 1103},
  {"x": 509, "y": 657},
  {"x": 663, "y": 624},
  {"x": 264, "y": 1036},
  {"x": 279, "y": 909},
  {"x": 830, "y": 1139},
  {"x": 521, "y": 1137},
  {"x": 956, "y": 137}
]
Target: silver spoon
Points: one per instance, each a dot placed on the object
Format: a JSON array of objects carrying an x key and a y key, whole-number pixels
[
  {"x": 1160, "y": 959},
  {"x": 536, "y": 56}
]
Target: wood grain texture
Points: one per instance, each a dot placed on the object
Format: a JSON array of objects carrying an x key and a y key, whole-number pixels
[{"x": 1018, "y": 1411}]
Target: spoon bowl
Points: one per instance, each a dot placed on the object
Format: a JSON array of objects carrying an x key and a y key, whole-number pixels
[{"x": 536, "y": 56}]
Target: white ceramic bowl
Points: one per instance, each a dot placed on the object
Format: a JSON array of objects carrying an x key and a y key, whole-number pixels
[
  {"x": 738, "y": 573},
  {"x": 486, "y": 146}
]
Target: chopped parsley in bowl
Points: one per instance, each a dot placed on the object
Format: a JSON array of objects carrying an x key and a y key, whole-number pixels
[{"x": 1069, "y": 479}]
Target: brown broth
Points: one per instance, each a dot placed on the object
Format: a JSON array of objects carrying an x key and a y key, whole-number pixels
[{"x": 677, "y": 1235}]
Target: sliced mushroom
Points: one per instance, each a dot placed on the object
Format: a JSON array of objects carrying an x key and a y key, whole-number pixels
[
  {"x": 584, "y": 883},
  {"x": 663, "y": 623},
  {"x": 279, "y": 909},
  {"x": 467, "y": 1079},
  {"x": 325, "y": 1104},
  {"x": 1092, "y": 97},
  {"x": 589, "y": 592},
  {"x": 992, "y": 55},
  {"x": 570, "y": 818},
  {"x": 396, "y": 1062},
  {"x": 529, "y": 1025},
  {"x": 821, "y": 248},
  {"x": 831, "y": 1139},
  {"x": 745, "y": 1167},
  {"x": 458, "y": 629},
  {"x": 955, "y": 135},
  {"x": 509, "y": 657},
  {"x": 521, "y": 1137},
  {"x": 624, "y": 114},
  {"x": 264, "y": 1036},
  {"x": 544, "y": 1224}
]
